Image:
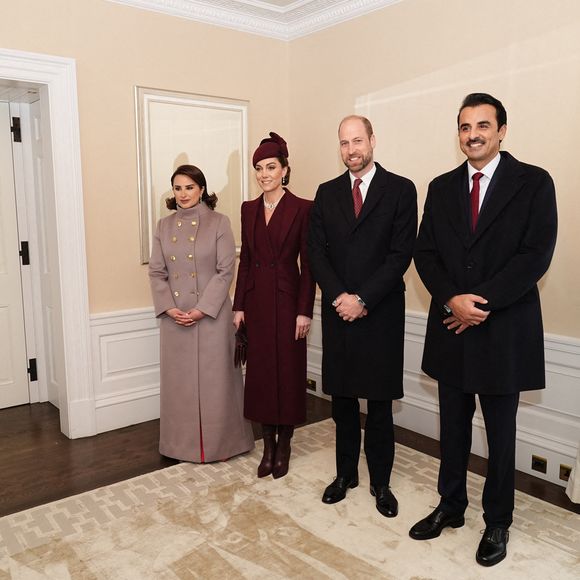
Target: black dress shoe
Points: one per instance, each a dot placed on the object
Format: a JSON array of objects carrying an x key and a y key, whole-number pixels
[
  {"x": 493, "y": 546},
  {"x": 387, "y": 503},
  {"x": 336, "y": 491},
  {"x": 433, "y": 524}
]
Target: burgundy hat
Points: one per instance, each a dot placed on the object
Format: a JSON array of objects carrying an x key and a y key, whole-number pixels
[{"x": 273, "y": 146}]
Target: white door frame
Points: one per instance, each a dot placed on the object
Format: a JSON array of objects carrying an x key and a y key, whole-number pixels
[{"x": 58, "y": 90}]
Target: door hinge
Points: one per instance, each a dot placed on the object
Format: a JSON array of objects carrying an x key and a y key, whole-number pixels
[
  {"x": 24, "y": 254},
  {"x": 32, "y": 369},
  {"x": 16, "y": 132}
]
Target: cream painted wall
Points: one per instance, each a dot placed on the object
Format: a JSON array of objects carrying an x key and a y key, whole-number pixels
[
  {"x": 115, "y": 48},
  {"x": 408, "y": 67}
]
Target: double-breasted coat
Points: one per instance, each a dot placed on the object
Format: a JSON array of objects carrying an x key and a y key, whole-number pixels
[
  {"x": 502, "y": 261},
  {"x": 273, "y": 290},
  {"x": 191, "y": 266},
  {"x": 367, "y": 256}
]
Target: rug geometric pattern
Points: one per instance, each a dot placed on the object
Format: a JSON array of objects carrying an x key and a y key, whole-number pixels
[{"x": 219, "y": 521}]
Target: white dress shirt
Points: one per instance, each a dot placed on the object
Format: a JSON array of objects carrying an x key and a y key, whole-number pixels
[
  {"x": 488, "y": 172},
  {"x": 366, "y": 181}
]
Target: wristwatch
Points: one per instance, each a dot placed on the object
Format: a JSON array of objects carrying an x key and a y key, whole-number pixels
[{"x": 360, "y": 301}]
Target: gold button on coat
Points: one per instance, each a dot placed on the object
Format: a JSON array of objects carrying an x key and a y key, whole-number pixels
[
  {"x": 191, "y": 238},
  {"x": 176, "y": 293},
  {"x": 178, "y": 224},
  {"x": 172, "y": 258},
  {"x": 190, "y": 256},
  {"x": 193, "y": 223},
  {"x": 174, "y": 239}
]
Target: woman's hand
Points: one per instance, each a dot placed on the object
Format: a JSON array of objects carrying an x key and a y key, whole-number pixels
[
  {"x": 195, "y": 315},
  {"x": 180, "y": 317},
  {"x": 239, "y": 318},
  {"x": 302, "y": 327}
]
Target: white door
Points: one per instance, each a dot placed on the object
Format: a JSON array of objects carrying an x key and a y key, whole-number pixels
[
  {"x": 13, "y": 361},
  {"x": 48, "y": 256}
]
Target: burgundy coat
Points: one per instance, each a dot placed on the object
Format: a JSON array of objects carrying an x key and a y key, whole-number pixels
[{"x": 273, "y": 290}]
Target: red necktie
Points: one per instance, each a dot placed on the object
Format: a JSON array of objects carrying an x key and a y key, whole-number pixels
[
  {"x": 357, "y": 197},
  {"x": 475, "y": 200}
]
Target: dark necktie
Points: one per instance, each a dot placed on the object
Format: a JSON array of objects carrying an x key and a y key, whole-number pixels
[
  {"x": 357, "y": 197},
  {"x": 475, "y": 200}
]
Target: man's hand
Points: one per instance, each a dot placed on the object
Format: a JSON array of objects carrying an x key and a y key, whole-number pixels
[
  {"x": 348, "y": 307},
  {"x": 464, "y": 312}
]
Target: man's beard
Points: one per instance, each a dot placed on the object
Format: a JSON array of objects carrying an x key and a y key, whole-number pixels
[{"x": 364, "y": 162}]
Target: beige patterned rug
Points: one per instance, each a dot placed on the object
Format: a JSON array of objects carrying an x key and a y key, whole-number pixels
[{"x": 219, "y": 521}]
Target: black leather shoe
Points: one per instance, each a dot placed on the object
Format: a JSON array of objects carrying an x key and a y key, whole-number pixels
[
  {"x": 387, "y": 503},
  {"x": 493, "y": 546},
  {"x": 336, "y": 491},
  {"x": 433, "y": 524}
]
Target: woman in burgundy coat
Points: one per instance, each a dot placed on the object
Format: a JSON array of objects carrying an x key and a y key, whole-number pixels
[{"x": 274, "y": 298}]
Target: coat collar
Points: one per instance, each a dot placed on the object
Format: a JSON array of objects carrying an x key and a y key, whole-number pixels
[
  {"x": 505, "y": 183},
  {"x": 291, "y": 209},
  {"x": 375, "y": 193}
]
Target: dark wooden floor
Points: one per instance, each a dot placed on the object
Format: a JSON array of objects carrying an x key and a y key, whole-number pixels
[{"x": 38, "y": 464}]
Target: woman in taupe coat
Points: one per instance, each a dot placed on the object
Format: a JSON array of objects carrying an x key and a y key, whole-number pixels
[{"x": 191, "y": 270}]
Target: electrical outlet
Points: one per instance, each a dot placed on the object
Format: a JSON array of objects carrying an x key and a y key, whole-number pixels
[
  {"x": 539, "y": 464},
  {"x": 565, "y": 471},
  {"x": 311, "y": 384}
]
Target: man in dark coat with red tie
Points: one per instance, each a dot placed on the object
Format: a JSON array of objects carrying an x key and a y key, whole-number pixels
[
  {"x": 487, "y": 237},
  {"x": 362, "y": 231}
]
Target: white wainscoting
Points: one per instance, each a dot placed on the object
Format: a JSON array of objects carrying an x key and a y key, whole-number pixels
[
  {"x": 126, "y": 386},
  {"x": 125, "y": 368}
]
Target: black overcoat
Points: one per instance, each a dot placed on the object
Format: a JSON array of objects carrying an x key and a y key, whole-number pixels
[
  {"x": 367, "y": 256},
  {"x": 502, "y": 261}
]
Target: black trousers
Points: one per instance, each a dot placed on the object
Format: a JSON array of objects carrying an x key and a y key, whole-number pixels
[
  {"x": 456, "y": 410},
  {"x": 379, "y": 438}
]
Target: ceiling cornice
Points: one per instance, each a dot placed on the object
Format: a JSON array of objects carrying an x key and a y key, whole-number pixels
[{"x": 295, "y": 20}]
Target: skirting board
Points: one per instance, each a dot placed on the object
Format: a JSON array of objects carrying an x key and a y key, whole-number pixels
[{"x": 126, "y": 387}]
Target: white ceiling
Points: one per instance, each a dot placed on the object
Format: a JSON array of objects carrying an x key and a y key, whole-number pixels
[
  {"x": 281, "y": 19},
  {"x": 18, "y": 91}
]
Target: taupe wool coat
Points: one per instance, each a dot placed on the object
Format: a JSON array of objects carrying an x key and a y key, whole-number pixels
[{"x": 191, "y": 266}]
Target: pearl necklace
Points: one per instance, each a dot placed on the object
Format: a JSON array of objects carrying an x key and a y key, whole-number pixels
[{"x": 272, "y": 206}]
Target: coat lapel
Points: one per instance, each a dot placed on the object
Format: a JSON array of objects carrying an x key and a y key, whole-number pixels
[
  {"x": 290, "y": 212},
  {"x": 251, "y": 225},
  {"x": 376, "y": 191},
  {"x": 344, "y": 194},
  {"x": 456, "y": 196},
  {"x": 506, "y": 182}
]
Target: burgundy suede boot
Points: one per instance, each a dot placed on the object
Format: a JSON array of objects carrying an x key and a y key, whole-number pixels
[
  {"x": 267, "y": 463},
  {"x": 282, "y": 457}
]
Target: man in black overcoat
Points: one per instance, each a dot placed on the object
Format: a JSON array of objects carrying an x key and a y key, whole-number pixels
[
  {"x": 487, "y": 237},
  {"x": 362, "y": 231}
]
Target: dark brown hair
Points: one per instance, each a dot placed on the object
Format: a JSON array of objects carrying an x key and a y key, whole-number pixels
[
  {"x": 196, "y": 175},
  {"x": 284, "y": 163}
]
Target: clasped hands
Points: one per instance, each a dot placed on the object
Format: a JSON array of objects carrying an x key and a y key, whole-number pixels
[
  {"x": 465, "y": 312},
  {"x": 348, "y": 307},
  {"x": 182, "y": 318}
]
